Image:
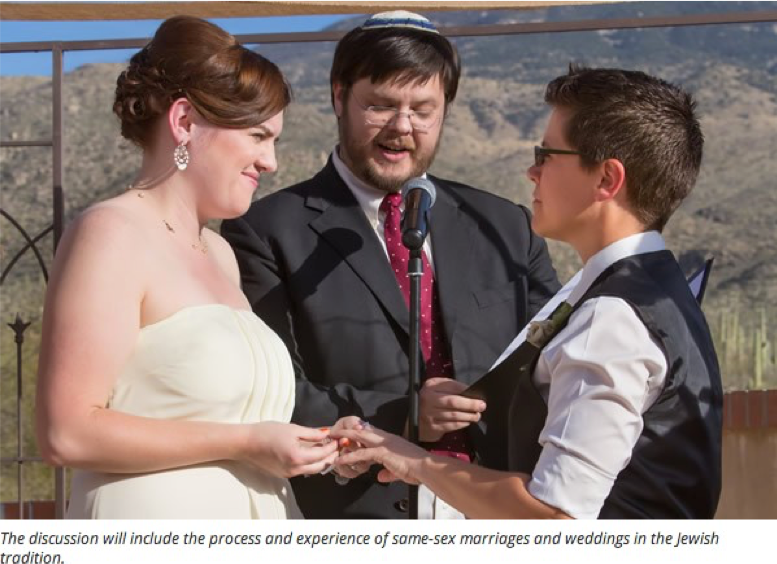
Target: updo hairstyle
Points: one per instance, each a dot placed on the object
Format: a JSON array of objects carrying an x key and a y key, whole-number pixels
[{"x": 229, "y": 85}]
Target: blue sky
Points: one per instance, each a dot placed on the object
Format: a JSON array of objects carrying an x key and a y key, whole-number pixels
[{"x": 40, "y": 63}]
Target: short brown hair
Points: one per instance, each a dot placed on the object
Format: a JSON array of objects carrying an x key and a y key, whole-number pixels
[
  {"x": 405, "y": 55},
  {"x": 646, "y": 123},
  {"x": 229, "y": 85}
]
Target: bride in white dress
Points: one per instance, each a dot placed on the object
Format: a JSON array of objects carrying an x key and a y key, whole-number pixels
[{"x": 157, "y": 383}]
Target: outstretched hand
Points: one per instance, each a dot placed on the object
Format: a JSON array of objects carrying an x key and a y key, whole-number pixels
[{"x": 401, "y": 459}]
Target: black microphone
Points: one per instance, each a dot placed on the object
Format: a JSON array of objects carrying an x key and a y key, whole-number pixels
[{"x": 419, "y": 195}]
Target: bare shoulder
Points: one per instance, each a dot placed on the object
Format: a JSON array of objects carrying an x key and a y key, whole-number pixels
[
  {"x": 104, "y": 231},
  {"x": 223, "y": 253},
  {"x": 100, "y": 263},
  {"x": 112, "y": 218}
]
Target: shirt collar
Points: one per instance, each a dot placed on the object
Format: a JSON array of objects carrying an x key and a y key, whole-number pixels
[
  {"x": 369, "y": 198},
  {"x": 638, "y": 244}
]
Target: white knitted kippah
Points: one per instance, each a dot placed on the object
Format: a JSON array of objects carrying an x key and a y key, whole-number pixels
[{"x": 399, "y": 18}]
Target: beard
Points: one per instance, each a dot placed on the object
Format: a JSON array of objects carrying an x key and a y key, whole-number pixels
[{"x": 357, "y": 156}]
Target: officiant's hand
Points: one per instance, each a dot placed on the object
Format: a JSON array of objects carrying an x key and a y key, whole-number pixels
[
  {"x": 401, "y": 459},
  {"x": 442, "y": 410}
]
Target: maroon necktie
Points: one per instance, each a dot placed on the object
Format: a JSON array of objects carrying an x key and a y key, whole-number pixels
[{"x": 432, "y": 339}]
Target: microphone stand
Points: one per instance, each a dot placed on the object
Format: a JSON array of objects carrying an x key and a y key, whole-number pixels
[
  {"x": 415, "y": 270},
  {"x": 419, "y": 194}
]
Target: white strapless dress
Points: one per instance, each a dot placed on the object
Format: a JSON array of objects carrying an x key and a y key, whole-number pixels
[{"x": 203, "y": 363}]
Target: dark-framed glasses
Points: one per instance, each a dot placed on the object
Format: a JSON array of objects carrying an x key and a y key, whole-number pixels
[
  {"x": 382, "y": 115},
  {"x": 541, "y": 153}
]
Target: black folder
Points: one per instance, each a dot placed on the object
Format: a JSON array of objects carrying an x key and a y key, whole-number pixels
[{"x": 498, "y": 384}]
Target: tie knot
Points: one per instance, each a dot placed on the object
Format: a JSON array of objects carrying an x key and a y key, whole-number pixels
[{"x": 392, "y": 200}]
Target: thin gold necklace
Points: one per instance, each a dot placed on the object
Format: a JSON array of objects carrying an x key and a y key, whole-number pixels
[{"x": 201, "y": 246}]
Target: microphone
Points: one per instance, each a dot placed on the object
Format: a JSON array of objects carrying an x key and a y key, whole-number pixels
[{"x": 419, "y": 195}]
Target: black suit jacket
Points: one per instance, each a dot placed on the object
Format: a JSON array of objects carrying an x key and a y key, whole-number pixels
[{"x": 314, "y": 270}]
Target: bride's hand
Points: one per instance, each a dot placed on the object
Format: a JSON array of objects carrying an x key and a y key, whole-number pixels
[
  {"x": 286, "y": 450},
  {"x": 401, "y": 459}
]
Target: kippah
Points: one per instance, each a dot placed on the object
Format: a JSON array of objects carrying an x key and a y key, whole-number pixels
[{"x": 399, "y": 18}]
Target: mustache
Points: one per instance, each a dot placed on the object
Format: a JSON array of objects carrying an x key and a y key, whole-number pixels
[{"x": 406, "y": 145}]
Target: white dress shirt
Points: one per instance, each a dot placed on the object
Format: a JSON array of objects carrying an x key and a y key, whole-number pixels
[
  {"x": 369, "y": 199},
  {"x": 598, "y": 376}
]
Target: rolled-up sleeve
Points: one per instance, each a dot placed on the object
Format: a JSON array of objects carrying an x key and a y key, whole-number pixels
[{"x": 603, "y": 370}]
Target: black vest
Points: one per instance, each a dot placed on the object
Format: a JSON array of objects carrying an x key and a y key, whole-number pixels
[{"x": 675, "y": 467}]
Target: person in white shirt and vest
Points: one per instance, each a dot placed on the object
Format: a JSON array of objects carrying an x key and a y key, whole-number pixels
[
  {"x": 618, "y": 412},
  {"x": 322, "y": 263}
]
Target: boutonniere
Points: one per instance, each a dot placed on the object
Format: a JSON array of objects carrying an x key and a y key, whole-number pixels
[{"x": 540, "y": 333}]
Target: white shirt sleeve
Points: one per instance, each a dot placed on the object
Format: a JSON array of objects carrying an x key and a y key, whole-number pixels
[{"x": 598, "y": 375}]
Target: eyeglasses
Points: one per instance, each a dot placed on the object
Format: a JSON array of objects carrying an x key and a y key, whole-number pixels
[
  {"x": 381, "y": 115},
  {"x": 541, "y": 153}
]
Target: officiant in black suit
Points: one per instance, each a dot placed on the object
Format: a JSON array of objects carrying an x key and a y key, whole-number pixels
[{"x": 321, "y": 263}]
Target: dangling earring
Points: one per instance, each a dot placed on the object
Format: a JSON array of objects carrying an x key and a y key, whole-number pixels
[{"x": 181, "y": 156}]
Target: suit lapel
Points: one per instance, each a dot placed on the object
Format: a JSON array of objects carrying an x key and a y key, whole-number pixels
[
  {"x": 344, "y": 226},
  {"x": 452, "y": 234}
]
